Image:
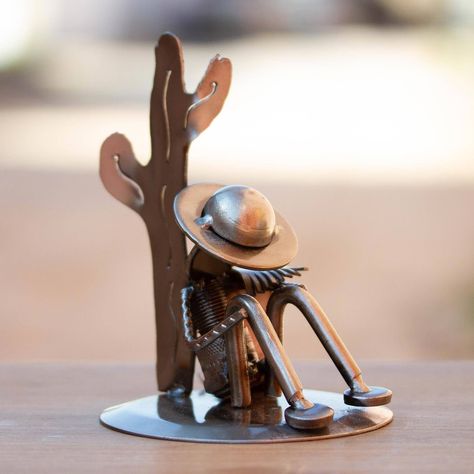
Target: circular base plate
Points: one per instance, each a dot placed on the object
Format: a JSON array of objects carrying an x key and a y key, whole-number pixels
[{"x": 201, "y": 417}]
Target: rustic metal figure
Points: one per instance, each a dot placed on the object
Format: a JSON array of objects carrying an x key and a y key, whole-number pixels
[
  {"x": 224, "y": 301},
  {"x": 237, "y": 342}
]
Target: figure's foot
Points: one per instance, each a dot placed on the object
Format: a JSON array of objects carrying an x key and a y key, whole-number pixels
[
  {"x": 314, "y": 417},
  {"x": 373, "y": 397}
]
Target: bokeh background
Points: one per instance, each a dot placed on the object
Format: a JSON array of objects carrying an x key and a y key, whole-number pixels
[{"x": 355, "y": 117}]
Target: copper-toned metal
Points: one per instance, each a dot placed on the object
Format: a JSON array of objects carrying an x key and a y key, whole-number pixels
[
  {"x": 236, "y": 352},
  {"x": 204, "y": 418},
  {"x": 301, "y": 414},
  {"x": 189, "y": 206},
  {"x": 359, "y": 393},
  {"x": 269, "y": 342},
  {"x": 223, "y": 302},
  {"x": 265, "y": 280},
  {"x": 372, "y": 397},
  {"x": 319, "y": 322},
  {"x": 176, "y": 118},
  {"x": 241, "y": 215}
]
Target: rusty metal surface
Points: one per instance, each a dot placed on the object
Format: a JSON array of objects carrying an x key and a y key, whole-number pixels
[
  {"x": 204, "y": 418},
  {"x": 176, "y": 118},
  {"x": 189, "y": 206}
]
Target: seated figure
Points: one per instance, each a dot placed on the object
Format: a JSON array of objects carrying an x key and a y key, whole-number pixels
[{"x": 232, "y": 308}]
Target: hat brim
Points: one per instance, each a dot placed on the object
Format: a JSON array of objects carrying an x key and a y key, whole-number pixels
[{"x": 188, "y": 206}]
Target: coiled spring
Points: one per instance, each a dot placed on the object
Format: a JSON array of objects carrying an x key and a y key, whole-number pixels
[{"x": 208, "y": 306}]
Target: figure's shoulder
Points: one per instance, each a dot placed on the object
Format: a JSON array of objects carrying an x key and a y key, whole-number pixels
[{"x": 260, "y": 281}]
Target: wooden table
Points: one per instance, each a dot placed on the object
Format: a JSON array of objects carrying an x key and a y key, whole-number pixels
[{"x": 49, "y": 423}]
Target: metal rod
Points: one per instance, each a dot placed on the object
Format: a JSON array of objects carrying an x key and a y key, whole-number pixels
[
  {"x": 270, "y": 344},
  {"x": 335, "y": 347},
  {"x": 236, "y": 353}
]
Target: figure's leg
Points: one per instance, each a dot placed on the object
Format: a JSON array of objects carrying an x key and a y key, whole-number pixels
[
  {"x": 302, "y": 414},
  {"x": 272, "y": 386},
  {"x": 236, "y": 353},
  {"x": 359, "y": 393}
]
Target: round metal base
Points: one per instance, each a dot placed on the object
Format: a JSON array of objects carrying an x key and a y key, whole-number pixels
[{"x": 201, "y": 417}]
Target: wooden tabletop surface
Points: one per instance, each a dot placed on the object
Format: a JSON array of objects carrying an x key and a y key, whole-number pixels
[{"x": 49, "y": 423}]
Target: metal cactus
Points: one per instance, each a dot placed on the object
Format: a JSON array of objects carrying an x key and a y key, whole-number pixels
[{"x": 176, "y": 119}]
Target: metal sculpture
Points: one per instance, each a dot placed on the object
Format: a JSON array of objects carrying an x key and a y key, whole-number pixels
[
  {"x": 223, "y": 302},
  {"x": 232, "y": 227}
]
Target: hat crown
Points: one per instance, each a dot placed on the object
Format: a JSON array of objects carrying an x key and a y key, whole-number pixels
[{"x": 241, "y": 215}]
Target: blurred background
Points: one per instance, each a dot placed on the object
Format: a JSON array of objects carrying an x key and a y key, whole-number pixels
[{"x": 354, "y": 117}]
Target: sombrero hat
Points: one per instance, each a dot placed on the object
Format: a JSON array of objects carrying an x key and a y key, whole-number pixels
[{"x": 236, "y": 224}]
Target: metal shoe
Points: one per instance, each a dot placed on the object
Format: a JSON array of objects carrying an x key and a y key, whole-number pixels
[
  {"x": 314, "y": 417},
  {"x": 374, "y": 397}
]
